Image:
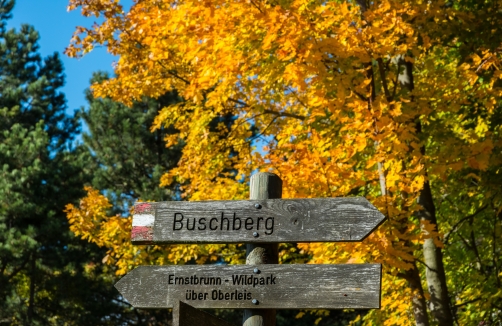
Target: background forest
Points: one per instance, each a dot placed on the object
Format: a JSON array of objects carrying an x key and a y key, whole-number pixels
[{"x": 399, "y": 102}]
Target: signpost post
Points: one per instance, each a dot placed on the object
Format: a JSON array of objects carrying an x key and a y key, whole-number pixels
[
  {"x": 186, "y": 315},
  {"x": 261, "y": 285},
  {"x": 263, "y": 186}
]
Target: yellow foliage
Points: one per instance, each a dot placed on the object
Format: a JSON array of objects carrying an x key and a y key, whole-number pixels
[
  {"x": 314, "y": 91},
  {"x": 90, "y": 221}
]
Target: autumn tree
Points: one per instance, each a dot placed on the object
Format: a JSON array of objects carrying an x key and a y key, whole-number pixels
[
  {"x": 128, "y": 161},
  {"x": 395, "y": 101}
]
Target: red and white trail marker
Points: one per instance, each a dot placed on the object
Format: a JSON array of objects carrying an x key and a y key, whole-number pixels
[{"x": 142, "y": 223}]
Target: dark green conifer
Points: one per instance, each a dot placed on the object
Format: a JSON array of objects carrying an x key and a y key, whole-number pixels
[
  {"x": 130, "y": 159},
  {"x": 47, "y": 276}
]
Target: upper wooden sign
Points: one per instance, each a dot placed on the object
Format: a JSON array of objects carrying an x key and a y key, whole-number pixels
[
  {"x": 295, "y": 286},
  {"x": 272, "y": 220}
]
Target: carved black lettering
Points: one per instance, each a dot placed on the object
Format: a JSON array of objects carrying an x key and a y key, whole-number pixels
[
  {"x": 202, "y": 223},
  {"x": 240, "y": 295},
  {"x": 258, "y": 223},
  {"x": 178, "y": 221},
  {"x": 188, "y": 224},
  {"x": 205, "y": 295},
  {"x": 170, "y": 279},
  {"x": 224, "y": 219},
  {"x": 214, "y": 295},
  {"x": 269, "y": 228},
  {"x": 249, "y": 224},
  {"x": 214, "y": 219},
  {"x": 248, "y": 297},
  {"x": 188, "y": 295},
  {"x": 237, "y": 279},
  {"x": 236, "y": 219}
]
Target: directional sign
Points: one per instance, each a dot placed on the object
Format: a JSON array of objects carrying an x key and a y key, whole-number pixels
[
  {"x": 241, "y": 286},
  {"x": 272, "y": 220}
]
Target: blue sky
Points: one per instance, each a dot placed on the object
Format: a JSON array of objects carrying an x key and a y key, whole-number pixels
[{"x": 55, "y": 26}]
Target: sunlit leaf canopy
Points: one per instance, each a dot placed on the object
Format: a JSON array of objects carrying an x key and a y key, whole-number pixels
[{"x": 320, "y": 83}]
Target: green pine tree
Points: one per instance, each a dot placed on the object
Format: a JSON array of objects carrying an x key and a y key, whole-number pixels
[
  {"x": 128, "y": 161},
  {"x": 130, "y": 158},
  {"x": 47, "y": 276}
]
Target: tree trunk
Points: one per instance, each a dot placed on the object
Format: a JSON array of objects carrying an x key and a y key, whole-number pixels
[
  {"x": 263, "y": 186},
  {"x": 418, "y": 299},
  {"x": 413, "y": 277},
  {"x": 433, "y": 256},
  {"x": 31, "y": 300}
]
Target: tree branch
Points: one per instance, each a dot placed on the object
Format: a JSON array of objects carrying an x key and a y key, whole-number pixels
[
  {"x": 268, "y": 111},
  {"x": 285, "y": 114},
  {"x": 297, "y": 97},
  {"x": 454, "y": 228},
  {"x": 396, "y": 82},
  {"x": 263, "y": 131},
  {"x": 244, "y": 104},
  {"x": 384, "y": 80},
  {"x": 475, "y": 249},
  {"x": 467, "y": 302}
]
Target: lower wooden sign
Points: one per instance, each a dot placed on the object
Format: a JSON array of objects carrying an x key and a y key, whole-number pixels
[
  {"x": 186, "y": 315},
  {"x": 255, "y": 286}
]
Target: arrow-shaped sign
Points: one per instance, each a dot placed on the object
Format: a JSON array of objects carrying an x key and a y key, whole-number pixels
[
  {"x": 237, "y": 221},
  {"x": 254, "y": 286}
]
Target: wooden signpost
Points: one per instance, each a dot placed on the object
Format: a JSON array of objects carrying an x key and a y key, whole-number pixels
[
  {"x": 261, "y": 285},
  {"x": 293, "y": 286},
  {"x": 272, "y": 220}
]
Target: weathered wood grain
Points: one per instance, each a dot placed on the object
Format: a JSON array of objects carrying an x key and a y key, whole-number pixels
[
  {"x": 262, "y": 186},
  {"x": 255, "y": 221},
  {"x": 186, "y": 315},
  {"x": 295, "y": 286}
]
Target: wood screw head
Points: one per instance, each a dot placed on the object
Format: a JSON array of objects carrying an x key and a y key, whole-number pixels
[
  {"x": 257, "y": 206},
  {"x": 256, "y": 271},
  {"x": 255, "y": 234},
  {"x": 254, "y": 301}
]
